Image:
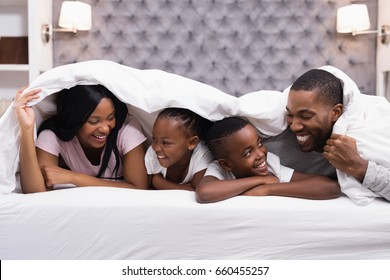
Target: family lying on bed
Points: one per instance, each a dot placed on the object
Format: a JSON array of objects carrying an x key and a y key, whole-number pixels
[{"x": 93, "y": 141}]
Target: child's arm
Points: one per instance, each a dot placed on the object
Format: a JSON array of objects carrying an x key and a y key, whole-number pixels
[
  {"x": 211, "y": 189},
  {"x": 160, "y": 183},
  {"x": 302, "y": 185}
]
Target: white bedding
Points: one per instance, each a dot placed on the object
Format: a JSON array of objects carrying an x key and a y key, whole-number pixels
[{"x": 108, "y": 223}]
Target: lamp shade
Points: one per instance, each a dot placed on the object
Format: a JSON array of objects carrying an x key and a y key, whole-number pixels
[
  {"x": 353, "y": 18},
  {"x": 75, "y": 15}
]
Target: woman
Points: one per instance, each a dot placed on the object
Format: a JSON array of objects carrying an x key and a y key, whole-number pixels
[{"x": 91, "y": 139}]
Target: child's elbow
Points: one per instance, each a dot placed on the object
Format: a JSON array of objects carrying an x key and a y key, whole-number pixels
[
  {"x": 203, "y": 195},
  {"x": 334, "y": 191}
]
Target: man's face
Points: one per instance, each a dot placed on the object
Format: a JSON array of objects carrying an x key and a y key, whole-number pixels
[{"x": 310, "y": 119}]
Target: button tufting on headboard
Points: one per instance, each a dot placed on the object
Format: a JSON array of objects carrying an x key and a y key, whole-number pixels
[{"x": 238, "y": 46}]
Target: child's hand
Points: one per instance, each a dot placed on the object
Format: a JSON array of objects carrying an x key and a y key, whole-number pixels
[
  {"x": 270, "y": 179},
  {"x": 262, "y": 189},
  {"x": 257, "y": 191}
]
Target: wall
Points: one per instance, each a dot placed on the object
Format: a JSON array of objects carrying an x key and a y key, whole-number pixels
[
  {"x": 383, "y": 52},
  {"x": 238, "y": 46}
]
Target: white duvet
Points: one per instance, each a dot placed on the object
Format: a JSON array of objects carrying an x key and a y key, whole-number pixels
[{"x": 366, "y": 118}]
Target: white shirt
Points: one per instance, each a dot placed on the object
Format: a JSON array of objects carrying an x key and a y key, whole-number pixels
[
  {"x": 283, "y": 173},
  {"x": 200, "y": 159}
]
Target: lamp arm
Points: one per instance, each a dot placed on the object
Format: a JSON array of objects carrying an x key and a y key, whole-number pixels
[
  {"x": 74, "y": 30},
  {"x": 354, "y": 33},
  {"x": 383, "y": 33}
]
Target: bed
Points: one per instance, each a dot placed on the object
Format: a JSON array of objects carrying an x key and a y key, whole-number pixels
[
  {"x": 106, "y": 223},
  {"x": 109, "y": 223}
]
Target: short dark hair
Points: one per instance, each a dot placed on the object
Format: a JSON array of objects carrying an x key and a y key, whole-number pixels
[
  {"x": 74, "y": 106},
  {"x": 220, "y": 131},
  {"x": 194, "y": 124},
  {"x": 327, "y": 86}
]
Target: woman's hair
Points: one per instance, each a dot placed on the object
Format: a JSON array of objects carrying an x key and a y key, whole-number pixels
[
  {"x": 190, "y": 121},
  {"x": 328, "y": 87},
  {"x": 220, "y": 131},
  {"x": 75, "y": 106}
]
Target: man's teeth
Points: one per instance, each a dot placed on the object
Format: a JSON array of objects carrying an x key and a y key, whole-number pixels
[
  {"x": 160, "y": 157},
  {"x": 302, "y": 138}
]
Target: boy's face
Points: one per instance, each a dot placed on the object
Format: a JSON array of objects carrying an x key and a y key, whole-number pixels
[
  {"x": 247, "y": 156},
  {"x": 310, "y": 119}
]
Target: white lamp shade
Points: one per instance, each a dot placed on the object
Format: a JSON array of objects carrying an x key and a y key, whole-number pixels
[
  {"x": 75, "y": 15},
  {"x": 353, "y": 18}
]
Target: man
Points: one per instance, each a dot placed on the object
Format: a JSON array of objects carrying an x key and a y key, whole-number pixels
[{"x": 352, "y": 134}]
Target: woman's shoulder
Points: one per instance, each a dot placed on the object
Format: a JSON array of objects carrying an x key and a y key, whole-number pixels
[
  {"x": 131, "y": 121},
  {"x": 130, "y": 135},
  {"x": 47, "y": 134}
]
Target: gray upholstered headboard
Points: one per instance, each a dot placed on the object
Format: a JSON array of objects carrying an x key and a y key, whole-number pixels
[{"x": 238, "y": 46}]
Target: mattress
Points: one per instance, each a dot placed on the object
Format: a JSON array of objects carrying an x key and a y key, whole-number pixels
[{"x": 97, "y": 223}]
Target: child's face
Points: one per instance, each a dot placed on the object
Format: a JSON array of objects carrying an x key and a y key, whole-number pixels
[
  {"x": 247, "y": 156},
  {"x": 171, "y": 142}
]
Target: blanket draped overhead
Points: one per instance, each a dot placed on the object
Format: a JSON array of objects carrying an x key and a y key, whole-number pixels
[{"x": 146, "y": 92}]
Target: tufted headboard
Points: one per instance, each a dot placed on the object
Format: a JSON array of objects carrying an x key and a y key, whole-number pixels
[{"x": 238, "y": 46}]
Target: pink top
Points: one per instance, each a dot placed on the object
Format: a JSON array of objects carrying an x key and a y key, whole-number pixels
[{"x": 130, "y": 136}]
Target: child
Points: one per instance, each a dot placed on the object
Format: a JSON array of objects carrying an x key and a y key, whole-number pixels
[
  {"x": 243, "y": 167},
  {"x": 92, "y": 138},
  {"x": 177, "y": 158}
]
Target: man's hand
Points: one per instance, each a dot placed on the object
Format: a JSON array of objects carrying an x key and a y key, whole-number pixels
[{"x": 341, "y": 152}]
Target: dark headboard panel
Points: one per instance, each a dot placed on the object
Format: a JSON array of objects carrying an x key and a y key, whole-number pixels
[{"x": 238, "y": 46}]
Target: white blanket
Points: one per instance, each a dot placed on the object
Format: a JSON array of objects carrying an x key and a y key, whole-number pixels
[
  {"x": 366, "y": 118},
  {"x": 146, "y": 92}
]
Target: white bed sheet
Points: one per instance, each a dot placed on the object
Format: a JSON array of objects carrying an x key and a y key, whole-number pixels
[{"x": 110, "y": 223}]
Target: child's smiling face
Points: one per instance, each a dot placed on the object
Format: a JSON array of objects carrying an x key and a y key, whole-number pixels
[
  {"x": 246, "y": 154},
  {"x": 171, "y": 142}
]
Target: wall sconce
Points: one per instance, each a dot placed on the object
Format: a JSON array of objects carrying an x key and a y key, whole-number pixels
[
  {"x": 354, "y": 19},
  {"x": 74, "y": 16}
]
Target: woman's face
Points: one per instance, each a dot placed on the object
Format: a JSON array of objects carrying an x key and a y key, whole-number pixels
[
  {"x": 171, "y": 142},
  {"x": 93, "y": 134}
]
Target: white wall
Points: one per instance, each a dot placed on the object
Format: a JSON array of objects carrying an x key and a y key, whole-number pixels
[
  {"x": 383, "y": 52},
  {"x": 13, "y": 22}
]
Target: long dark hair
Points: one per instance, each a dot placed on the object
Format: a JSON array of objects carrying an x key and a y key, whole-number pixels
[{"x": 75, "y": 106}]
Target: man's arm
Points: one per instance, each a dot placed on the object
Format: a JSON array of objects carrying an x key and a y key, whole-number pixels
[
  {"x": 377, "y": 179},
  {"x": 341, "y": 151}
]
